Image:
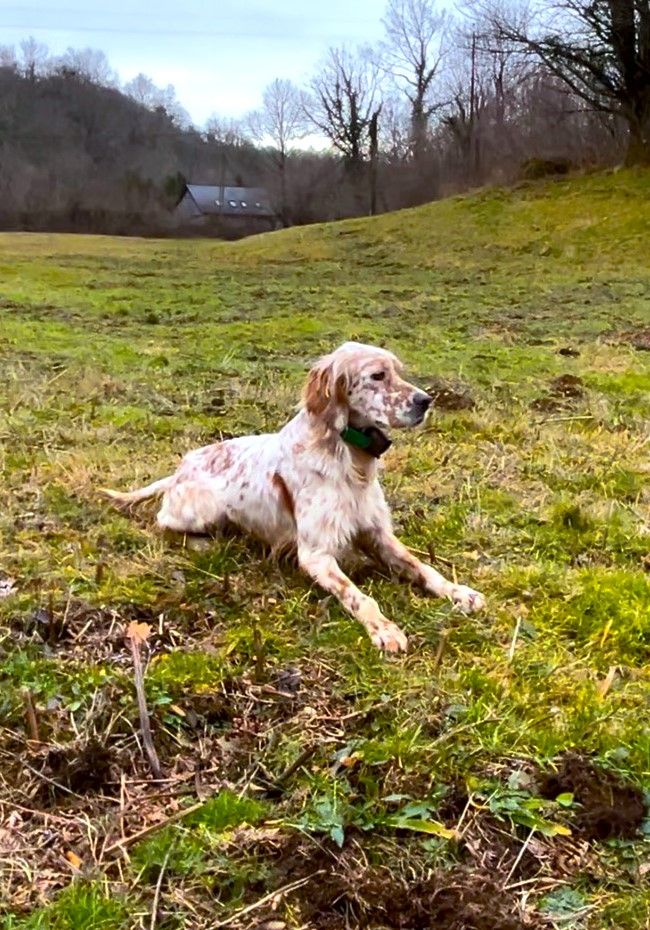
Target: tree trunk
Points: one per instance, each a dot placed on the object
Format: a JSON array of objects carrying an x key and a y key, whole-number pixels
[
  {"x": 638, "y": 145},
  {"x": 282, "y": 165},
  {"x": 373, "y": 133},
  {"x": 418, "y": 130}
]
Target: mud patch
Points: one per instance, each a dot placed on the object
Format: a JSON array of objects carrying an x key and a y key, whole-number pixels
[
  {"x": 607, "y": 806},
  {"x": 448, "y": 395},
  {"x": 547, "y": 405},
  {"x": 637, "y": 338},
  {"x": 567, "y": 386},
  {"x": 77, "y": 769},
  {"x": 341, "y": 891},
  {"x": 562, "y": 391}
]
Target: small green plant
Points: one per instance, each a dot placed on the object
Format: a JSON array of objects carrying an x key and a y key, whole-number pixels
[
  {"x": 82, "y": 906},
  {"x": 524, "y": 809},
  {"x": 566, "y": 907}
]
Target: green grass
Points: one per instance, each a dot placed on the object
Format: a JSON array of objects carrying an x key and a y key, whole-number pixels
[{"x": 118, "y": 355}]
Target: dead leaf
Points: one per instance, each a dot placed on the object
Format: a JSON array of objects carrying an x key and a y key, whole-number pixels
[
  {"x": 348, "y": 761},
  {"x": 73, "y": 859},
  {"x": 138, "y": 632},
  {"x": 607, "y": 682}
]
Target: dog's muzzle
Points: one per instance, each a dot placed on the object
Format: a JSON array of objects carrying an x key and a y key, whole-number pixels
[{"x": 420, "y": 405}]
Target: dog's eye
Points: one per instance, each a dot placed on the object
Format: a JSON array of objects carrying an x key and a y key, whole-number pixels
[{"x": 378, "y": 376}]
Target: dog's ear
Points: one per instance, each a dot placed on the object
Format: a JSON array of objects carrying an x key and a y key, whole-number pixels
[{"x": 325, "y": 395}]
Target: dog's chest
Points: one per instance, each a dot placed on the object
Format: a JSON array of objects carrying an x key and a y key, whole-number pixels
[{"x": 354, "y": 506}]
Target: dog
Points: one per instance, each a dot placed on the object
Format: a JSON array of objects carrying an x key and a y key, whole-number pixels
[{"x": 313, "y": 487}]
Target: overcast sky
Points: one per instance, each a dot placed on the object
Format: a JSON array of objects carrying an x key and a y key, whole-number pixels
[{"x": 218, "y": 55}]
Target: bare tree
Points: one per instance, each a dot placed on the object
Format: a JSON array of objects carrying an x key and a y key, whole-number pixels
[
  {"x": 143, "y": 90},
  {"x": 395, "y": 130},
  {"x": 344, "y": 101},
  {"x": 481, "y": 81},
  {"x": 600, "y": 49},
  {"x": 412, "y": 52},
  {"x": 8, "y": 57},
  {"x": 281, "y": 121},
  {"x": 91, "y": 64},
  {"x": 467, "y": 93},
  {"x": 227, "y": 131},
  {"x": 33, "y": 58}
]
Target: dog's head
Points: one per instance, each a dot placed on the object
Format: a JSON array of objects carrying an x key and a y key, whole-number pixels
[{"x": 360, "y": 385}]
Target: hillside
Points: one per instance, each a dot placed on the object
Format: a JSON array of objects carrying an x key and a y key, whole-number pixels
[
  {"x": 77, "y": 155},
  {"x": 495, "y": 776}
]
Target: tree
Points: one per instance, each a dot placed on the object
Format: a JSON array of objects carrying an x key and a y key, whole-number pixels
[
  {"x": 8, "y": 57},
  {"x": 395, "y": 134},
  {"x": 344, "y": 102},
  {"x": 33, "y": 58},
  {"x": 280, "y": 121},
  {"x": 143, "y": 90},
  {"x": 600, "y": 50},
  {"x": 412, "y": 53},
  {"x": 91, "y": 64},
  {"x": 227, "y": 131},
  {"x": 481, "y": 83}
]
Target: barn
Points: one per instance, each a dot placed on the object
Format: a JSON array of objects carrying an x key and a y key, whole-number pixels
[{"x": 230, "y": 211}]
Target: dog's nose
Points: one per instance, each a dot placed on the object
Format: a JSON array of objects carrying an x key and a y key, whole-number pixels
[{"x": 422, "y": 402}]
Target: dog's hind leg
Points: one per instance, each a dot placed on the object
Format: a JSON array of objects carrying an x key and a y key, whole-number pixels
[{"x": 191, "y": 506}]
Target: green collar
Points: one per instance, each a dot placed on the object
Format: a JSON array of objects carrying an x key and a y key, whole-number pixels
[{"x": 370, "y": 440}]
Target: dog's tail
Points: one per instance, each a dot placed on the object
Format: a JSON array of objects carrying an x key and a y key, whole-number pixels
[{"x": 141, "y": 494}]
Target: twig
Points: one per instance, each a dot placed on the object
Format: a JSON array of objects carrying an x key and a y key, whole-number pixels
[
  {"x": 431, "y": 552},
  {"x": 127, "y": 841},
  {"x": 137, "y": 634},
  {"x": 30, "y": 715},
  {"x": 587, "y": 416},
  {"x": 267, "y": 897},
  {"x": 259, "y": 653},
  {"x": 442, "y": 642},
  {"x": 307, "y": 753},
  {"x": 156, "y": 895},
  {"x": 515, "y": 636},
  {"x": 524, "y": 847}
]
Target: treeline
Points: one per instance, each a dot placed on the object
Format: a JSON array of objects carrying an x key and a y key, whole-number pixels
[{"x": 439, "y": 105}]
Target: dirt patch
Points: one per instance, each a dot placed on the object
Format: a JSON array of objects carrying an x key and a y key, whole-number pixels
[
  {"x": 561, "y": 391},
  {"x": 547, "y": 405},
  {"x": 342, "y": 891},
  {"x": 78, "y": 769},
  {"x": 449, "y": 395},
  {"x": 637, "y": 338},
  {"x": 609, "y": 807},
  {"x": 567, "y": 386}
]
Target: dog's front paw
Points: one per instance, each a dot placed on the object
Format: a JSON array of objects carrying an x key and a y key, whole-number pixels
[
  {"x": 467, "y": 599},
  {"x": 387, "y": 636}
]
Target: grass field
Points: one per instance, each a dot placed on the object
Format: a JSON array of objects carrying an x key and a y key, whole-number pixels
[{"x": 497, "y": 776}]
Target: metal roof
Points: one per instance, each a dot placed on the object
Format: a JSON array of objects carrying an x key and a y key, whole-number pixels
[{"x": 230, "y": 201}]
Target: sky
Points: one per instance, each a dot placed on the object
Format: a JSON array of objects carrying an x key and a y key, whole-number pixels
[{"x": 219, "y": 56}]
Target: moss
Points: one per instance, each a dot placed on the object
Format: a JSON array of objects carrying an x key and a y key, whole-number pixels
[{"x": 83, "y": 906}]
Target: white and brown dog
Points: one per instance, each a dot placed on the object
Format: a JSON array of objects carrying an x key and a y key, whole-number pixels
[{"x": 313, "y": 486}]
